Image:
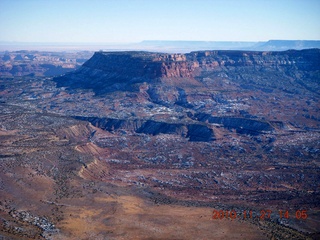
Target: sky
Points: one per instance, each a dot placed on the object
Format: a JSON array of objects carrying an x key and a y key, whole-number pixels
[{"x": 130, "y": 21}]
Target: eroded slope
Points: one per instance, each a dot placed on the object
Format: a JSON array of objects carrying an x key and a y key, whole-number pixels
[{"x": 184, "y": 132}]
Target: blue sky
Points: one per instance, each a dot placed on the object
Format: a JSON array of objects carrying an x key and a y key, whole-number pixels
[{"x": 128, "y": 21}]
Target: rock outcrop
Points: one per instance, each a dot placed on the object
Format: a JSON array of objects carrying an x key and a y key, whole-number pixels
[
  {"x": 194, "y": 132},
  {"x": 242, "y": 125}
]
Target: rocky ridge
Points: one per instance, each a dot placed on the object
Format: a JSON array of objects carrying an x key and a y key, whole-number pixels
[
  {"x": 111, "y": 70},
  {"x": 194, "y": 84}
]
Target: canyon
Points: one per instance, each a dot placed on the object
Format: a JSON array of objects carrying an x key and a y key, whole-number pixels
[
  {"x": 40, "y": 63},
  {"x": 145, "y": 145}
]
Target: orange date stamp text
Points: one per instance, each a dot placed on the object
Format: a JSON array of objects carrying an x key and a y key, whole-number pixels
[{"x": 262, "y": 215}]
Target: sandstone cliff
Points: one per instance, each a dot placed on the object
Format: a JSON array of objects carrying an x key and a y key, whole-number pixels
[
  {"x": 240, "y": 90},
  {"x": 113, "y": 71}
]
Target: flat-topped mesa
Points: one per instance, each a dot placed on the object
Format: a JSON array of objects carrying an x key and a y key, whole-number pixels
[
  {"x": 140, "y": 64},
  {"x": 163, "y": 65},
  {"x": 124, "y": 64},
  {"x": 120, "y": 71},
  {"x": 112, "y": 71}
]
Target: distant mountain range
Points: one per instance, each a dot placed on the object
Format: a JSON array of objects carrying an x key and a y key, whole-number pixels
[
  {"x": 271, "y": 45},
  {"x": 166, "y": 46},
  {"x": 279, "y": 45}
]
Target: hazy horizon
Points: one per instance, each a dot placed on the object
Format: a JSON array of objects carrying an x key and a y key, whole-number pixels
[
  {"x": 155, "y": 40},
  {"x": 181, "y": 46}
]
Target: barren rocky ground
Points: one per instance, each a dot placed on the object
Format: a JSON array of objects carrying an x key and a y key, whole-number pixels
[{"x": 138, "y": 145}]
